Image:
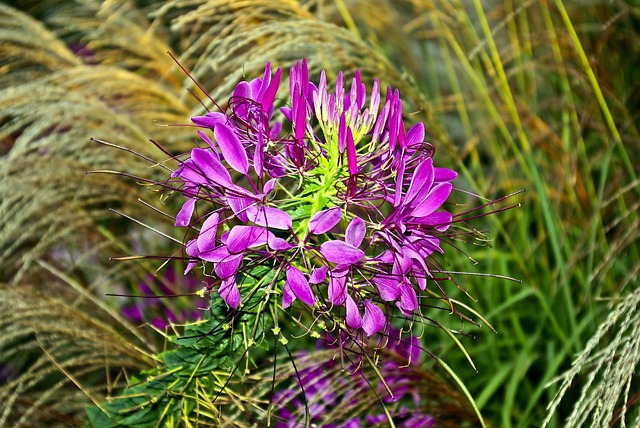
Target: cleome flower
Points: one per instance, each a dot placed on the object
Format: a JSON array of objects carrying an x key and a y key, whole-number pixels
[{"x": 341, "y": 202}]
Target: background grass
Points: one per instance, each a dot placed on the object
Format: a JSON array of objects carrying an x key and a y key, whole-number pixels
[{"x": 540, "y": 95}]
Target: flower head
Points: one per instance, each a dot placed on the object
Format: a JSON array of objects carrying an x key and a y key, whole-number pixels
[{"x": 346, "y": 208}]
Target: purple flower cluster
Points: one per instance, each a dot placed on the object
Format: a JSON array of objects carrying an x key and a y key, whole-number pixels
[
  {"x": 337, "y": 198},
  {"x": 324, "y": 392}
]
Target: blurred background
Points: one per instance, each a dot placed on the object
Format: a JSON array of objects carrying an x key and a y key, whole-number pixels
[{"x": 540, "y": 95}]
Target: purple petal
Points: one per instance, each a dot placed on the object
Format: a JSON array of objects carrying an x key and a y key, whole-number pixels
[
  {"x": 355, "y": 232},
  {"x": 354, "y": 319},
  {"x": 192, "y": 248},
  {"x": 228, "y": 269},
  {"x": 269, "y": 217},
  {"x": 444, "y": 174},
  {"x": 287, "y": 113},
  {"x": 207, "y": 237},
  {"x": 373, "y": 320},
  {"x": 352, "y": 158},
  {"x": 434, "y": 200},
  {"x": 275, "y": 130},
  {"x": 270, "y": 93},
  {"x": 259, "y": 85},
  {"x": 325, "y": 220},
  {"x": 342, "y": 133},
  {"x": 287, "y": 296},
  {"x": 277, "y": 244},
  {"x": 192, "y": 251},
  {"x": 219, "y": 254},
  {"x": 421, "y": 181},
  {"x": 402, "y": 265},
  {"x": 399, "y": 183},
  {"x": 318, "y": 274},
  {"x": 184, "y": 215},
  {"x": 268, "y": 186},
  {"x": 440, "y": 220},
  {"x": 210, "y": 120},
  {"x": 229, "y": 292},
  {"x": 207, "y": 140},
  {"x": 300, "y": 286},
  {"x": 231, "y": 148},
  {"x": 337, "y": 292},
  {"x": 239, "y": 206},
  {"x": 243, "y": 237},
  {"x": 408, "y": 299},
  {"x": 387, "y": 286},
  {"x": 242, "y": 93},
  {"x": 415, "y": 135},
  {"x": 209, "y": 166},
  {"x": 258, "y": 156},
  {"x": 340, "y": 252}
]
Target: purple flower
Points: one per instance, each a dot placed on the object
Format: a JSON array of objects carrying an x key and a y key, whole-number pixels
[{"x": 347, "y": 209}]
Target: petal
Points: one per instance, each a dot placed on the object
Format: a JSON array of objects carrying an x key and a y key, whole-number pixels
[
  {"x": 355, "y": 232},
  {"x": 239, "y": 206},
  {"x": 192, "y": 251},
  {"x": 402, "y": 265},
  {"x": 387, "y": 286},
  {"x": 287, "y": 296},
  {"x": 300, "y": 286},
  {"x": 415, "y": 135},
  {"x": 434, "y": 200},
  {"x": 444, "y": 174},
  {"x": 352, "y": 158},
  {"x": 268, "y": 186},
  {"x": 207, "y": 237},
  {"x": 408, "y": 299},
  {"x": 354, "y": 319},
  {"x": 243, "y": 237},
  {"x": 325, "y": 220},
  {"x": 269, "y": 217},
  {"x": 231, "y": 148},
  {"x": 259, "y": 85},
  {"x": 210, "y": 120},
  {"x": 277, "y": 244},
  {"x": 258, "y": 156},
  {"x": 207, "y": 140},
  {"x": 421, "y": 181},
  {"x": 341, "y": 252},
  {"x": 373, "y": 320},
  {"x": 270, "y": 93},
  {"x": 209, "y": 166},
  {"x": 337, "y": 291},
  {"x": 242, "y": 93},
  {"x": 228, "y": 268},
  {"x": 440, "y": 220},
  {"x": 184, "y": 215},
  {"x": 342, "y": 133},
  {"x": 219, "y": 254},
  {"x": 399, "y": 183},
  {"x": 191, "y": 175},
  {"x": 318, "y": 274},
  {"x": 192, "y": 248},
  {"x": 229, "y": 292}
]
